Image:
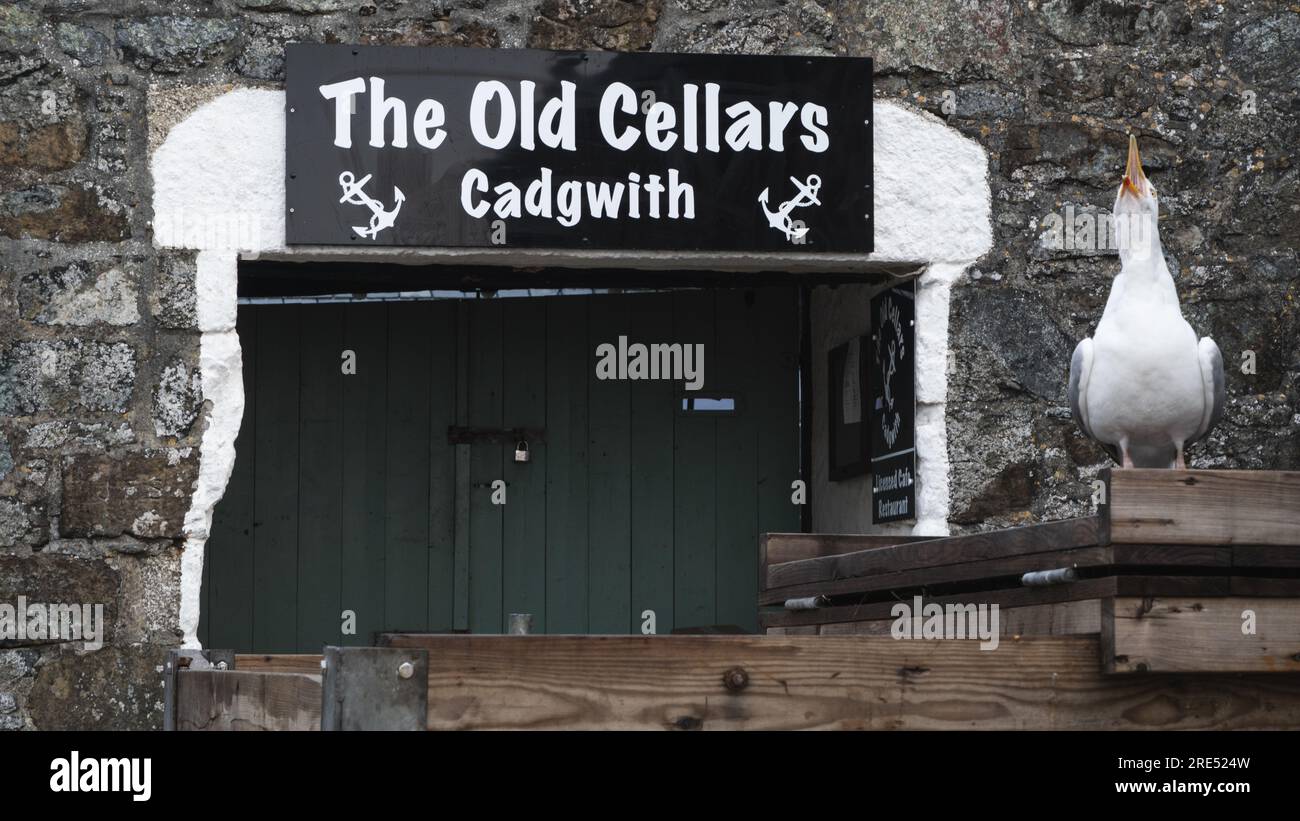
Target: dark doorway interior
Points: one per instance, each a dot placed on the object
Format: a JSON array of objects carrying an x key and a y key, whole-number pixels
[{"x": 349, "y": 495}]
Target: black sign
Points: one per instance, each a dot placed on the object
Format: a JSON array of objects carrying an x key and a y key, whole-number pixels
[
  {"x": 893, "y": 405},
  {"x": 848, "y": 438},
  {"x": 524, "y": 148}
]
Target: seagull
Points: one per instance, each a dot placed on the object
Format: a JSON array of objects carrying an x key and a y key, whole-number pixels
[{"x": 1144, "y": 386}]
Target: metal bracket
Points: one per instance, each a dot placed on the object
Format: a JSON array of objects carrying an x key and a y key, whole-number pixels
[
  {"x": 458, "y": 435},
  {"x": 188, "y": 659},
  {"x": 375, "y": 688}
]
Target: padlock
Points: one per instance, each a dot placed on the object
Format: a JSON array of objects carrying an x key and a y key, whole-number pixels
[{"x": 521, "y": 452}]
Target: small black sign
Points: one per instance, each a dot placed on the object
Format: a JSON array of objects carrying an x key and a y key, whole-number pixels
[
  {"x": 893, "y": 405},
  {"x": 525, "y": 148}
]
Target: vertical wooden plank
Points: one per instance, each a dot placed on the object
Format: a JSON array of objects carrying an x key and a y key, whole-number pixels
[
  {"x": 228, "y": 555},
  {"x": 568, "y": 359},
  {"x": 320, "y": 476},
  {"x": 442, "y": 466},
  {"x": 365, "y": 453},
  {"x": 275, "y": 575},
  {"x": 485, "y": 383},
  {"x": 776, "y": 406},
  {"x": 524, "y": 518},
  {"x": 694, "y": 479},
  {"x": 731, "y": 371},
  {"x": 460, "y": 560},
  {"x": 460, "y": 518},
  {"x": 609, "y": 522},
  {"x": 407, "y": 513},
  {"x": 653, "y": 415}
]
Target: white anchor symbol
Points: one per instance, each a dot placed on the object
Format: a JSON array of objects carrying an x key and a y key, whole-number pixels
[
  {"x": 780, "y": 218},
  {"x": 379, "y": 217}
]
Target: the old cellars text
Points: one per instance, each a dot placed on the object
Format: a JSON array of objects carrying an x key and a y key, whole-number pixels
[{"x": 502, "y": 116}]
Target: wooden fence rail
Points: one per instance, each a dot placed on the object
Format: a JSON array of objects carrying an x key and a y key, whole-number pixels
[
  {"x": 822, "y": 682},
  {"x": 1181, "y": 611},
  {"x": 762, "y": 683},
  {"x": 247, "y": 700}
]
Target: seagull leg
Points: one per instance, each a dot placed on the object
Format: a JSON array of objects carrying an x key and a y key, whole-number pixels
[
  {"x": 1126, "y": 459},
  {"x": 1180, "y": 462}
]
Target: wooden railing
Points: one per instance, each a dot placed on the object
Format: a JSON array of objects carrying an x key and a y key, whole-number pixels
[{"x": 1181, "y": 576}]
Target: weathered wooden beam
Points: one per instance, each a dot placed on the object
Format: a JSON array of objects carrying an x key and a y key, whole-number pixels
[
  {"x": 1172, "y": 555},
  {"x": 1073, "y": 618},
  {"x": 1009, "y": 597},
  {"x": 1201, "y": 635},
  {"x": 778, "y": 548},
  {"x": 279, "y": 662},
  {"x": 943, "y": 574},
  {"x": 1190, "y": 559},
  {"x": 1099, "y": 588},
  {"x": 1042, "y": 538},
  {"x": 806, "y": 682},
  {"x": 246, "y": 700},
  {"x": 1216, "y": 507},
  {"x": 1264, "y": 586},
  {"x": 1266, "y": 556}
]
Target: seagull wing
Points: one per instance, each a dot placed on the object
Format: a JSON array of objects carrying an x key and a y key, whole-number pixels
[
  {"x": 1080, "y": 373},
  {"x": 1212, "y": 382}
]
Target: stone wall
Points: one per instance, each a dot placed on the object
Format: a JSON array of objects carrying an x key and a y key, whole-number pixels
[{"x": 100, "y": 402}]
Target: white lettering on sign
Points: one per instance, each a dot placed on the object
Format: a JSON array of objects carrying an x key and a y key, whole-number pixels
[
  {"x": 429, "y": 114},
  {"x": 498, "y": 117},
  {"x": 484, "y": 93},
  {"x": 501, "y": 115},
  {"x": 342, "y": 94},
  {"x": 381, "y": 108},
  {"x": 622, "y": 96},
  {"x": 568, "y": 202},
  {"x": 812, "y": 117}
]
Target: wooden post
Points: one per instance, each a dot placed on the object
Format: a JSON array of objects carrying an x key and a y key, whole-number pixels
[
  {"x": 188, "y": 659},
  {"x": 1217, "y": 507},
  {"x": 1201, "y": 635}
]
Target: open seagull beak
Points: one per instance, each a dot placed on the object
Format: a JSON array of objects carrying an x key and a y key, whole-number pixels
[{"x": 1135, "y": 181}]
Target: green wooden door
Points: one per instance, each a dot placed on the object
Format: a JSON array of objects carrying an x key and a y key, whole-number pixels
[{"x": 348, "y": 501}]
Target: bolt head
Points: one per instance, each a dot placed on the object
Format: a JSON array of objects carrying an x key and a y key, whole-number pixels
[
  {"x": 735, "y": 679},
  {"x": 406, "y": 669}
]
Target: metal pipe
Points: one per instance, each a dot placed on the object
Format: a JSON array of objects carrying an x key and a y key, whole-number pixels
[
  {"x": 1044, "y": 578},
  {"x": 807, "y": 603}
]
